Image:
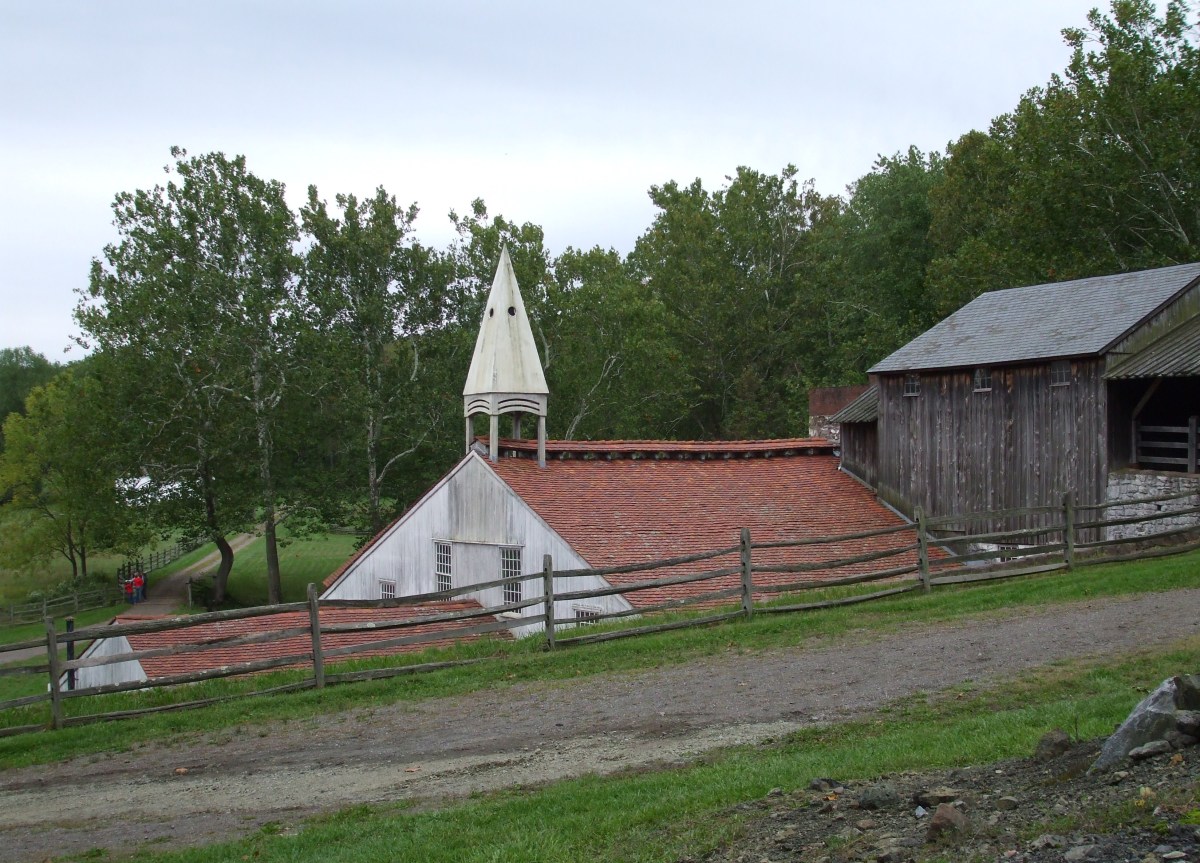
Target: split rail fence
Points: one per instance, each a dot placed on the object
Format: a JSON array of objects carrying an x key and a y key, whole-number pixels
[
  {"x": 84, "y": 600},
  {"x": 747, "y": 578}
]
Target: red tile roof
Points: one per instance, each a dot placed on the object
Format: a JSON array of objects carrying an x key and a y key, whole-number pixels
[
  {"x": 188, "y": 663},
  {"x": 666, "y": 448},
  {"x": 623, "y": 510}
]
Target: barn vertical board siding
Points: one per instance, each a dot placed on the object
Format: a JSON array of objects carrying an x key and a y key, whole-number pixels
[
  {"x": 1024, "y": 443},
  {"x": 860, "y": 447}
]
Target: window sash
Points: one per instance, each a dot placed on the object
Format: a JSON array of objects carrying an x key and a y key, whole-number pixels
[{"x": 510, "y": 566}]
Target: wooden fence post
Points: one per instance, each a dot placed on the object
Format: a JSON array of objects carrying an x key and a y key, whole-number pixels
[
  {"x": 747, "y": 576},
  {"x": 314, "y": 622},
  {"x": 1193, "y": 434},
  {"x": 56, "y": 711},
  {"x": 1069, "y": 530},
  {"x": 548, "y": 596},
  {"x": 923, "y": 550}
]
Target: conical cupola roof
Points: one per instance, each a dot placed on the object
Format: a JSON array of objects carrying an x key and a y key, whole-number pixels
[{"x": 506, "y": 358}]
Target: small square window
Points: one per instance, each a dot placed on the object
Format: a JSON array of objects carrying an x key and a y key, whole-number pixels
[
  {"x": 912, "y": 385},
  {"x": 387, "y": 589},
  {"x": 443, "y": 565},
  {"x": 1060, "y": 373},
  {"x": 510, "y": 567},
  {"x": 586, "y": 614},
  {"x": 983, "y": 380}
]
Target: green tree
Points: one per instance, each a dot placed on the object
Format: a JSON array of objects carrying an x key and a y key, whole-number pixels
[
  {"x": 62, "y": 480},
  {"x": 21, "y": 369},
  {"x": 727, "y": 267},
  {"x": 193, "y": 313},
  {"x": 374, "y": 293}
]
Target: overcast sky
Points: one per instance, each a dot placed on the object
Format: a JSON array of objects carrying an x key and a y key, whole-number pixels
[{"x": 558, "y": 113}]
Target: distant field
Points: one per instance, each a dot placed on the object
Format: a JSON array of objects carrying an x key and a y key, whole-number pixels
[{"x": 301, "y": 561}]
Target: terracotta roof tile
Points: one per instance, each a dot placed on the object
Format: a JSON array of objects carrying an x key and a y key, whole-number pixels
[
  {"x": 188, "y": 663},
  {"x": 624, "y": 511}
]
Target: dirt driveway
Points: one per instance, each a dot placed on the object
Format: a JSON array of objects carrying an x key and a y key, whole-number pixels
[{"x": 451, "y": 747}]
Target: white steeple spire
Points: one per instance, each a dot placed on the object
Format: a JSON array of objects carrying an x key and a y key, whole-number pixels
[{"x": 506, "y": 374}]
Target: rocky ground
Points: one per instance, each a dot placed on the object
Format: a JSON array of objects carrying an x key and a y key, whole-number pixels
[{"x": 1045, "y": 809}]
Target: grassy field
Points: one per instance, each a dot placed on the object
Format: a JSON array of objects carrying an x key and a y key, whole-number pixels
[
  {"x": 513, "y": 662},
  {"x": 672, "y": 814},
  {"x": 301, "y": 562}
]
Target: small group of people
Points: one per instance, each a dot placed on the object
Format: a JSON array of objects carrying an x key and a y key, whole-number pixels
[{"x": 135, "y": 588}]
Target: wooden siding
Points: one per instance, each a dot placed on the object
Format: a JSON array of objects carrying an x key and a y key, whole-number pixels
[
  {"x": 860, "y": 451},
  {"x": 478, "y": 514},
  {"x": 1024, "y": 443},
  {"x": 105, "y": 675}
]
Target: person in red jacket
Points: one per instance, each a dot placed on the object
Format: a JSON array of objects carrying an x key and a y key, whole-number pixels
[{"x": 139, "y": 587}]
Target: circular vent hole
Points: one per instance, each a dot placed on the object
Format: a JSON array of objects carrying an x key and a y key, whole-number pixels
[
  {"x": 512, "y": 310},
  {"x": 491, "y": 312}
]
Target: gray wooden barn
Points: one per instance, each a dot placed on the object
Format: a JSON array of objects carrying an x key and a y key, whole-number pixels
[{"x": 1089, "y": 386}]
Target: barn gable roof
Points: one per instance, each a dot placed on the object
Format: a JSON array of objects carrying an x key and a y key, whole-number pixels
[
  {"x": 615, "y": 505},
  {"x": 1039, "y": 322}
]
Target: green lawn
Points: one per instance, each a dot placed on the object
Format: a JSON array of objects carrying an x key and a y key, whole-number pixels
[{"x": 301, "y": 562}]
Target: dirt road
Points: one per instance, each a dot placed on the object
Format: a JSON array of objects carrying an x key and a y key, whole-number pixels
[{"x": 451, "y": 747}]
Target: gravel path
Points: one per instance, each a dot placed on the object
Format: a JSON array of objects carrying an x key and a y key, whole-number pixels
[{"x": 203, "y": 790}]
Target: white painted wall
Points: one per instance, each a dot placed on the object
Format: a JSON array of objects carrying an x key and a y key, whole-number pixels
[
  {"x": 105, "y": 675},
  {"x": 478, "y": 514}
]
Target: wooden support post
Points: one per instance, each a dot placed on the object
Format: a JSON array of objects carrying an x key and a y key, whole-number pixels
[
  {"x": 1069, "y": 530},
  {"x": 70, "y": 621},
  {"x": 548, "y": 594},
  {"x": 923, "y": 549},
  {"x": 469, "y": 434},
  {"x": 493, "y": 438},
  {"x": 541, "y": 441},
  {"x": 56, "y": 711},
  {"x": 314, "y": 622},
  {"x": 747, "y": 576},
  {"x": 1193, "y": 422}
]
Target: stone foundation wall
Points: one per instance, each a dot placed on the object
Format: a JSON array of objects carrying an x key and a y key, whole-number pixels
[
  {"x": 820, "y": 426},
  {"x": 1126, "y": 484}
]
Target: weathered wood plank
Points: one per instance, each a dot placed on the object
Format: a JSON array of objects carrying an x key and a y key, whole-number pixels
[
  {"x": 654, "y": 564},
  {"x": 796, "y": 586},
  {"x": 836, "y": 563},
  {"x": 849, "y": 600},
  {"x": 671, "y": 605},
  {"x": 996, "y": 574},
  {"x": 644, "y": 630},
  {"x": 24, "y": 700},
  {"x": 1030, "y": 551},
  {"x": 398, "y": 670},
  {"x": 462, "y": 632},
  {"x": 188, "y": 648},
  {"x": 841, "y": 537},
  {"x": 114, "y": 630},
  {"x": 647, "y": 585}
]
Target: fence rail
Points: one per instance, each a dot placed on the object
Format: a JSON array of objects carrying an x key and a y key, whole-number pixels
[
  {"x": 31, "y": 612},
  {"x": 756, "y": 580}
]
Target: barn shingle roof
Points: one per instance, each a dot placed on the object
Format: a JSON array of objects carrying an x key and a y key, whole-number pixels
[
  {"x": 621, "y": 510},
  {"x": 863, "y": 409},
  {"x": 1062, "y": 319},
  {"x": 1175, "y": 354}
]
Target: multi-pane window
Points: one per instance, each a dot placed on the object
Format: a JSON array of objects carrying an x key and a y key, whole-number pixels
[
  {"x": 387, "y": 589},
  {"x": 443, "y": 565},
  {"x": 1060, "y": 373},
  {"x": 585, "y": 614},
  {"x": 983, "y": 380},
  {"x": 510, "y": 567},
  {"x": 912, "y": 385}
]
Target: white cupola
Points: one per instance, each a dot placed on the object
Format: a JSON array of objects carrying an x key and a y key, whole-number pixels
[{"x": 506, "y": 374}]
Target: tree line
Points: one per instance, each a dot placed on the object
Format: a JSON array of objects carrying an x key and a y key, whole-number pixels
[{"x": 250, "y": 361}]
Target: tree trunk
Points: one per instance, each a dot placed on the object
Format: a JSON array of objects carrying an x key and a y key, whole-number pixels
[
  {"x": 274, "y": 584},
  {"x": 218, "y": 538},
  {"x": 373, "y": 481}
]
